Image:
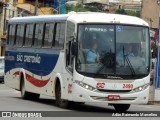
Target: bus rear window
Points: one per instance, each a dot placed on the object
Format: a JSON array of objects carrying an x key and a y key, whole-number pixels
[
  {"x": 29, "y": 35},
  {"x": 60, "y": 35},
  {"x": 12, "y": 30},
  {"x": 49, "y": 32},
  {"x": 20, "y": 35},
  {"x": 38, "y": 35}
]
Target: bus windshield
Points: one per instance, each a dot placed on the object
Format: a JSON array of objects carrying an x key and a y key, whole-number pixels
[{"x": 113, "y": 50}]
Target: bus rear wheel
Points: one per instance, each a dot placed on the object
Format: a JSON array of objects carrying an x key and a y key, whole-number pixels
[
  {"x": 59, "y": 101},
  {"x": 121, "y": 107},
  {"x": 27, "y": 95}
]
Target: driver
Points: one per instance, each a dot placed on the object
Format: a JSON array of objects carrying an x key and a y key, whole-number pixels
[{"x": 92, "y": 54}]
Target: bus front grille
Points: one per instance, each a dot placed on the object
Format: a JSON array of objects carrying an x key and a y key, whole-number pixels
[
  {"x": 116, "y": 91},
  {"x": 106, "y": 98}
]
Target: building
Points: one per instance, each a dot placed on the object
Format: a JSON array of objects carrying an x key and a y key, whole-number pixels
[
  {"x": 27, "y": 7},
  {"x": 111, "y": 5},
  {"x": 150, "y": 12},
  {"x": 8, "y": 11},
  {"x": 132, "y": 5},
  {"x": 2, "y": 5}
]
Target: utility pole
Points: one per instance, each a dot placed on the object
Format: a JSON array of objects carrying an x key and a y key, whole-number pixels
[{"x": 36, "y": 8}]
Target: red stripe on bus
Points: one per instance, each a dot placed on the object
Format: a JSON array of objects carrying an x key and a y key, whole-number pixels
[
  {"x": 16, "y": 73},
  {"x": 36, "y": 82}
]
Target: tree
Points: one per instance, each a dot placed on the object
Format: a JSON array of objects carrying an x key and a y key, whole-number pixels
[
  {"x": 128, "y": 12},
  {"x": 81, "y": 8}
]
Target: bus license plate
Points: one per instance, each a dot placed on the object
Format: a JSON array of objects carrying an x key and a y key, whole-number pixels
[{"x": 113, "y": 97}]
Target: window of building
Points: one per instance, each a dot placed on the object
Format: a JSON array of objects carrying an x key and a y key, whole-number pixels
[
  {"x": 38, "y": 35},
  {"x": 60, "y": 35},
  {"x": 20, "y": 35},
  {"x": 49, "y": 32},
  {"x": 29, "y": 35},
  {"x": 41, "y": 3}
]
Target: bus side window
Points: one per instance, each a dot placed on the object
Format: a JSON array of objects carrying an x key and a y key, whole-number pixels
[
  {"x": 29, "y": 35},
  {"x": 60, "y": 35},
  {"x": 69, "y": 58},
  {"x": 12, "y": 32},
  {"x": 38, "y": 35},
  {"x": 48, "y": 35},
  {"x": 20, "y": 35}
]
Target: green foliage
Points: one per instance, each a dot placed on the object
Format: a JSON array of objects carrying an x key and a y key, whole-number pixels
[
  {"x": 80, "y": 8},
  {"x": 128, "y": 12},
  {"x": 84, "y": 8}
]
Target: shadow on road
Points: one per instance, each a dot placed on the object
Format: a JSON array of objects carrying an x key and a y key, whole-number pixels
[
  {"x": 75, "y": 106},
  {"x": 90, "y": 108}
]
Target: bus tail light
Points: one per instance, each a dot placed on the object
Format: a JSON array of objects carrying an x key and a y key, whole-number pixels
[
  {"x": 84, "y": 85},
  {"x": 143, "y": 87}
]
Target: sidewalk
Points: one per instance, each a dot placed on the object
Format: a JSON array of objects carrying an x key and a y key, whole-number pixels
[
  {"x": 154, "y": 97},
  {"x": 157, "y": 95}
]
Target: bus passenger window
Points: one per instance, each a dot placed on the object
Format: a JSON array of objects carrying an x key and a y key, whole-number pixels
[
  {"x": 29, "y": 35},
  {"x": 19, "y": 35},
  {"x": 60, "y": 35},
  {"x": 12, "y": 34},
  {"x": 38, "y": 35},
  {"x": 48, "y": 37}
]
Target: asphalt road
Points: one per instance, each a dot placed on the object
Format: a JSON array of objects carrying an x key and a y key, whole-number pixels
[{"x": 10, "y": 100}]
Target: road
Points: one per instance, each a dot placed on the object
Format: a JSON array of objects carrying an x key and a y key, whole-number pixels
[{"x": 10, "y": 100}]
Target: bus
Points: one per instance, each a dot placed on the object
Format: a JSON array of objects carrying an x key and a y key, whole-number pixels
[{"x": 80, "y": 57}]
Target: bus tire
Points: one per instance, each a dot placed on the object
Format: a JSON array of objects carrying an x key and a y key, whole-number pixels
[
  {"x": 121, "y": 107},
  {"x": 59, "y": 101},
  {"x": 27, "y": 95},
  {"x": 24, "y": 93}
]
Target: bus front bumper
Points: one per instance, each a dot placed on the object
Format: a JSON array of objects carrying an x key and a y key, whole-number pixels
[{"x": 83, "y": 95}]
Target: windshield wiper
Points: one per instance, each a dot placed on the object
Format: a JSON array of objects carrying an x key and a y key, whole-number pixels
[
  {"x": 125, "y": 57},
  {"x": 108, "y": 61}
]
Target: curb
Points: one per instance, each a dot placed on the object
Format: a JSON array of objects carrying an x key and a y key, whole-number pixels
[{"x": 153, "y": 102}]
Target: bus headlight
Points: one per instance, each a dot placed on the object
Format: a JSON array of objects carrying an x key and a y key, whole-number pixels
[
  {"x": 84, "y": 85},
  {"x": 143, "y": 87}
]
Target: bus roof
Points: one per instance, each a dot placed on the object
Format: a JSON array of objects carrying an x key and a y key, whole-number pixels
[{"x": 83, "y": 17}]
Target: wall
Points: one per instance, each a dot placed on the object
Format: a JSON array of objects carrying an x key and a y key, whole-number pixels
[
  {"x": 21, "y": 1},
  {"x": 150, "y": 12},
  {"x": 8, "y": 12}
]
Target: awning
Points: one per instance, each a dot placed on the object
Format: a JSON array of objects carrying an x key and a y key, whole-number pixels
[
  {"x": 45, "y": 11},
  {"x": 31, "y": 8},
  {"x": 27, "y": 7},
  {"x": 3, "y": 3},
  {"x": 97, "y": 4}
]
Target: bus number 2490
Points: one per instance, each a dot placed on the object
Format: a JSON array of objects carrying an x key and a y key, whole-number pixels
[{"x": 127, "y": 85}]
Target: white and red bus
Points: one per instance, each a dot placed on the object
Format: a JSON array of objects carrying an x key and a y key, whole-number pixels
[{"x": 49, "y": 55}]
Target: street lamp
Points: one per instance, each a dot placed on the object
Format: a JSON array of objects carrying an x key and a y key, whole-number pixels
[{"x": 36, "y": 7}]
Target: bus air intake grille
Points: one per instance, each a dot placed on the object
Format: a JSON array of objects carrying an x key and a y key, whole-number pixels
[
  {"x": 106, "y": 98},
  {"x": 116, "y": 91}
]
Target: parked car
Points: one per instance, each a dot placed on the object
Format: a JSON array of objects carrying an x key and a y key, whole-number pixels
[{"x": 1, "y": 69}]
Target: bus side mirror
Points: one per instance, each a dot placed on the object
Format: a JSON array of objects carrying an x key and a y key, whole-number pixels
[{"x": 74, "y": 48}]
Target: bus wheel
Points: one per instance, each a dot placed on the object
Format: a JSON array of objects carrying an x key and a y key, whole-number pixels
[
  {"x": 60, "y": 102},
  {"x": 27, "y": 95},
  {"x": 121, "y": 107},
  {"x": 24, "y": 93}
]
